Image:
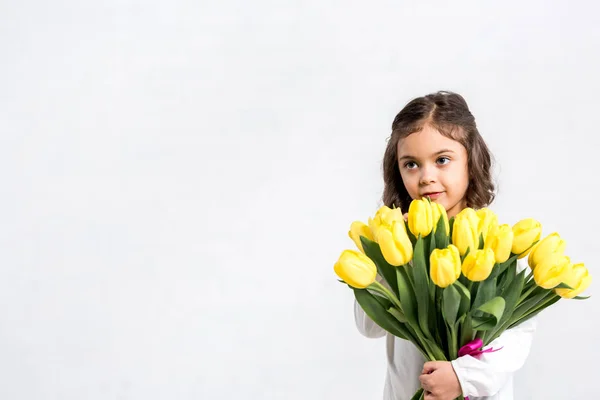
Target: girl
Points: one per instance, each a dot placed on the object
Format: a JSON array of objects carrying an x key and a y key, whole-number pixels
[{"x": 435, "y": 150}]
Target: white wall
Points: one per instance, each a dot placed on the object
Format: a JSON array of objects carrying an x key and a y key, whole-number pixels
[{"x": 178, "y": 179}]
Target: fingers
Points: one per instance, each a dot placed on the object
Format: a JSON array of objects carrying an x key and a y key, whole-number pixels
[
  {"x": 425, "y": 382},
  {"x": 405, "y": 216},
  {"x": 427, "y": 379},
  {"x": 429, "y": 367}
]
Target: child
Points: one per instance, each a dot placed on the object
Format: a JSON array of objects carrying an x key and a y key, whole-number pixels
[{"x": 435, "y": 150}]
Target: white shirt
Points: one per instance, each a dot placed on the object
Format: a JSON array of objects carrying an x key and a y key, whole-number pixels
[{"x": 488, "y": 378}]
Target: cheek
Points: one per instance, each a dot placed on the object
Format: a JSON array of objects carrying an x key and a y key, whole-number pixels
[
  {"x": 461, "y": 179},
  {"x": 411, "y": 183}
]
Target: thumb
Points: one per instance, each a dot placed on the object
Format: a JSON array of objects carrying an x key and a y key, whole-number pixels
[
  {"x": 405, "y": 215},
  {"x": 429, "y": 367}
]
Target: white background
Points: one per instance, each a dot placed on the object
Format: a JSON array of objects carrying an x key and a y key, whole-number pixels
[{"x": 178, "y": 178}]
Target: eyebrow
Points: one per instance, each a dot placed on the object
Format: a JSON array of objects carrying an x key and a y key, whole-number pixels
[{"x": 437, "y": 153}]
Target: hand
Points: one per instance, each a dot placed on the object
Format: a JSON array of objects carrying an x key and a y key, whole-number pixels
[{"x": 439, "y": 381}]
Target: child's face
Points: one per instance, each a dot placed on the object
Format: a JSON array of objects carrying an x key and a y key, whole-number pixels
[{"x": 436, "y": 166}]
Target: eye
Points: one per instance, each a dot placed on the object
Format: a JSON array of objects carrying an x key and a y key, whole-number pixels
[
  {"x": 410, "y": 165},
  {"x": 443, "y": 160}
]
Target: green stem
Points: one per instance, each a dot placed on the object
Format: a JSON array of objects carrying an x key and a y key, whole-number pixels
[
  {"x": 470, "y": 286},
  {"x": 527, "y": 293},
  {"x": 418, "y": 394},
  {"x": 421, "y": 345},
  {"x": 528, "y": 277},
  {"x": 378, "y": 287},
  {"x": 515, "y": 320},
  {"x": 413, "y": 334},
  {"x": 540, "y": 306},
  {"x": 452, "y": 344}
]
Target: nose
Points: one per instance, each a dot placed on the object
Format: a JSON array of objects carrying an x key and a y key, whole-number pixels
[{"x": 428, "y": 176}]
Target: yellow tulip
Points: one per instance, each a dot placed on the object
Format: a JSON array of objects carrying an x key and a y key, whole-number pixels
[
  {"x": 526, "y": 232},
  {"x": 478, "y": 264},
  {"x": 500, "y": 239},
  {"x": 551, "y": 271},
  {"x": 420, "y": 217},
  {"x": 444, "y": 266},
  {"x": 464, "y": 231},
  {"x": 385, "y": 216},
  {"x": 358, "y": 229},
  {"x": 356, "y": 269},
  {"x": 549, "y": 245},
  {"x": 395, "y": 244},
  {"x": 438, "y": 211},
  {"x": 578, "y": 277},
  {"x": 487, "y": 221}
]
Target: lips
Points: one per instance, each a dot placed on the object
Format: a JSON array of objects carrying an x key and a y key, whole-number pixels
[{"x": 432, "y": 195}]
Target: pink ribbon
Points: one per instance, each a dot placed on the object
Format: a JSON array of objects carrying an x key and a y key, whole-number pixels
[{"x": 473, "y": 349}]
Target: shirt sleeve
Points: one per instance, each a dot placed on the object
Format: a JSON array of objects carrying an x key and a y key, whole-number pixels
[
  {"x": 366, "y": 326},
  {"x": 486, "y": 375}
]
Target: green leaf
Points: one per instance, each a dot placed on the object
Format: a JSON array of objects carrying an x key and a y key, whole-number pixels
[
  {"x": 441, "y": 236},
  {"x": 421, "y": 279},
  {"x": 534, "y": 311},
  {"x": 451, "y": 225},
  {"x": 412, "y": 237},
  {"x": 492, "y": 314},
  {"x": 429, "y": 246},
  {"x": 511, "y": 297},
  {"x": 512, "y": 294},
  {"x": 407, "y": 295},
  {"x": 378, "y": 313},
  {"x": 418, "y": 395},
  {"x": 465, "y": 299},
  {"x": 581, "y": 297},
  {"x": 387, "y": 271},
  {"x": 563, "y": 286},
  {"x": 431, "y": 243},
  {"x": 466, "y": 330},
  {"x": 462, "y": 289},
  {"x": 486, "y": 291},
  {"x": 536, "y": 298},
  {"x": 384, "y": 301},
  {"x": 397, "y": 314},
  {"x": 509, "y": 275},
  {"x": 480, "y": 241},
  {"x": 441, "y": 327},
  {"x": 451, "y": 304},
  {"x": 501, "y": 267}
]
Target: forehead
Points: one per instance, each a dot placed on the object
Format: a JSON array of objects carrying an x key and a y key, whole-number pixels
[{"x": 428, "y": 141}]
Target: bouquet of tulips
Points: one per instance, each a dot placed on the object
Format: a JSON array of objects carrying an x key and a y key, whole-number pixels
[{"x": 452, "y": 286}]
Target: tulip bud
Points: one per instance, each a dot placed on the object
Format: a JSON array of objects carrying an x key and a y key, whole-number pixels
[
  {"x": 420, "y": 218},
  {"x": 464, "y": 231},
  {"x": 395, "y": 244},
  {"x": 438, "y": 211},
  {"x": 444, "y": 266},
  {"x": 385, "y": 216},
  {"x": 551, "y": 271},
  {"x": 478, "y": 264},
  {"x": 578, "y": 277},
  {"x": 358, "y": 229},
  {"x": 500, "y": 239},
  {"x": 526, "y": 232},
  {"x": 549, "y": 245},
  {"x": 487, "y": 221},
  {"x": 356, "y": 269}
]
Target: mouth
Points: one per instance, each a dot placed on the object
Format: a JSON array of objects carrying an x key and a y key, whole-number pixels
[{"x": 432, "y": 195}]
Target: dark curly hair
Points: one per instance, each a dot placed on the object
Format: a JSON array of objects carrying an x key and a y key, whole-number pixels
[{"x": 448, "y": 113}]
